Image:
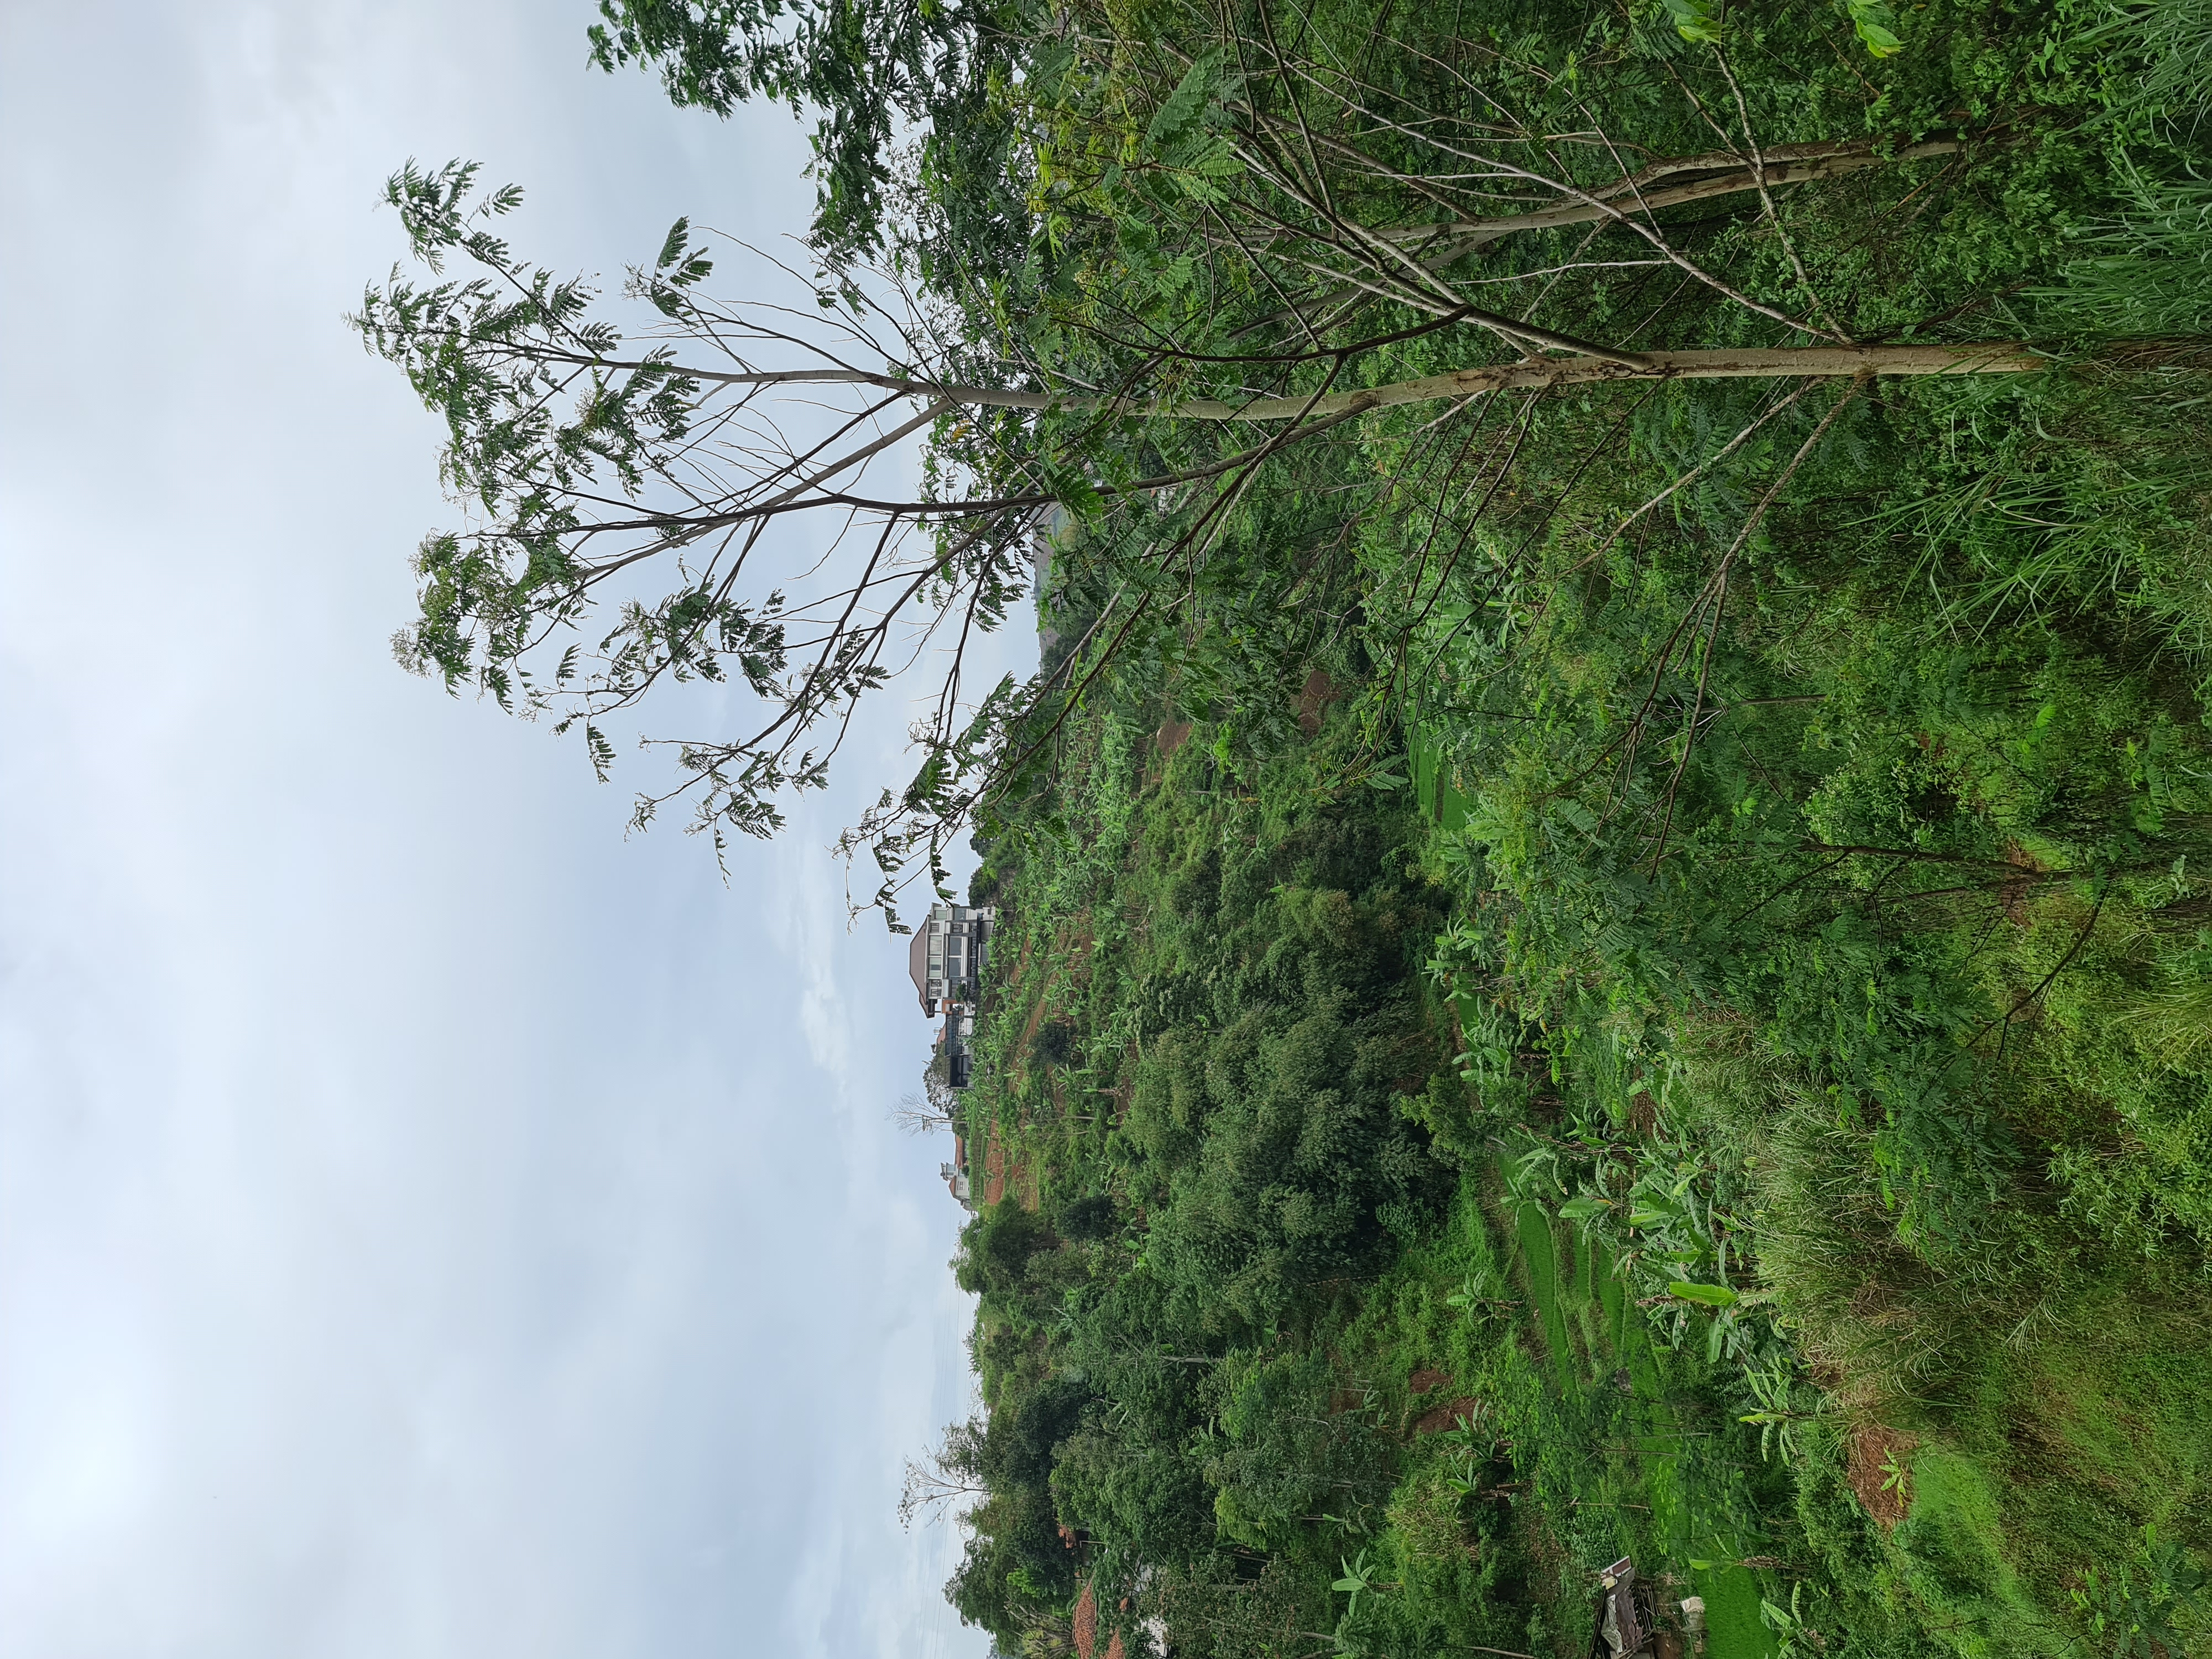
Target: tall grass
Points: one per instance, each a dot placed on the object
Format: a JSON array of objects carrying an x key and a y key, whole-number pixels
[
  {"x": 2177, "y": 35},
  {"x": 2147, "y": 274}
]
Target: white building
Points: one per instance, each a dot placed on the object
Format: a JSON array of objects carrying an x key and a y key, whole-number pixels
[
  {"x": 956, "y": 1180},
  {"x": 946, "y": 957}
]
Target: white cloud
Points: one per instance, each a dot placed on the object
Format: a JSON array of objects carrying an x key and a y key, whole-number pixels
[{"x": 429, "y": 1224}]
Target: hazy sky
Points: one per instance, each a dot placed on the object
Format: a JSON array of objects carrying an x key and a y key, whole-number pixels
[{"x": 430, "y": 1224}]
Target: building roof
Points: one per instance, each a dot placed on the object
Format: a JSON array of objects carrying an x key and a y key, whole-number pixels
[{"x": 917, "y": 963}]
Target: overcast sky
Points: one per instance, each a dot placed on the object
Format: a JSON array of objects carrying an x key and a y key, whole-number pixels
[{"x": 430, "y": 1224}]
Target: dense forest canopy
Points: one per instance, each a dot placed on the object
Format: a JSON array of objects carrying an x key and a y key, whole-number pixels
[{"x": 1606, "y": 948}]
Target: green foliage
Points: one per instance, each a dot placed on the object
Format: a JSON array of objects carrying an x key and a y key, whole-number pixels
[
  {"x": 1875, "y": 25},
  {"x": 1823, "y": 962},
  {"x": 995, "y": 1251},
  {"x": 1232, "y": 977},
  {"x": 2129, "y": 1611},
  {"x": 864, "y": 67},
  {"x": 1678, "y": 943}
]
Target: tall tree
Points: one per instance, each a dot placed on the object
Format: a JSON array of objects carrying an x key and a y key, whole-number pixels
[{"x": 1249, "y": 256}]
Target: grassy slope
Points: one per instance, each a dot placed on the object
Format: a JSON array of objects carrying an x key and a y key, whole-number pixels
[
  {"x": 1617, "y": 1448},
  {"x": 1596, "y": 1437},
  {"x": 2046, "y": 1454},
  {"x": 1575, "y": 1468}
]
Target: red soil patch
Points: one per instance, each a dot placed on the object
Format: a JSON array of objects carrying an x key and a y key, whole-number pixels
[
  {"x": 1318, "y": 692},
  {"x": 1424, "y": 1379},
  {"x": 1029, "y": 1030},
  {"x": 1086, "y": 1624},
  {"x": 1870, "y": 1454},
  {"x": 1069, "y": 946},
  {"x": 1084, "y": 1621},
  {"x": 1002, "y": 1176},
  {"x": 1446, "y": 1417},
  {"x": 994, "y": 1168}
]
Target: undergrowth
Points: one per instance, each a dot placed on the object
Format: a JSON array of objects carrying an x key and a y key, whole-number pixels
[{"x": 1684, "y": 1033}]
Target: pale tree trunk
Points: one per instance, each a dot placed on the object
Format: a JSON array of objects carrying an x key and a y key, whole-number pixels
[{"x": 1748, "y": 363}]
